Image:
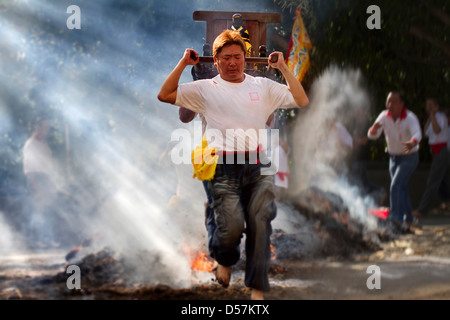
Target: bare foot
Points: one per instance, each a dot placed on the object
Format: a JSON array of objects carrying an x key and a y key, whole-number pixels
[
  {"x": 417, "y": 214},
  {"x": 257, "y": 295},
  {"x": 223, "y": 275}
]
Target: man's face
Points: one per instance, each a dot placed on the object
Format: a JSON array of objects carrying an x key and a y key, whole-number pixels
[
  {"x": 43, "y": 129},
  {"x": 431, "y": 106},
  {"x": 230, "y": 63},
  {"x": 394, "y": 104}
]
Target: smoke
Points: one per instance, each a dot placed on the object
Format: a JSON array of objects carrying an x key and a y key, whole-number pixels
[
  {"x": 10, "y": 240},
  {"x": 339, "y": 103}
]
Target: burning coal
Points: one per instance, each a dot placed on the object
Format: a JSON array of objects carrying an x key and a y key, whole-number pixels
[{"x": 202, "y": 262}]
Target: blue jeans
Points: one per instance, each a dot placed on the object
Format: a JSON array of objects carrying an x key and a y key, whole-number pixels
[
  {"x": 243, "y": 202},
  {"x": 436, "y": 177},
  {"x": 401, "y": 168},
  {"x": 209, "y": 217}
]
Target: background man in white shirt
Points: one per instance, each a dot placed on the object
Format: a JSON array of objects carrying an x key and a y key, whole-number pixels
[
  {"x": 243, "y": 199},
  {"x": 42, "y": 174},
  {"x": 436, "y": 129},
  {"x": 403, "y": 134},
  {"x": 39, "y": 166}
]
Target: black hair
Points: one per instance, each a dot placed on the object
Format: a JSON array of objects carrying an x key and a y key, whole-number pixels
[
  {"x": 400, "y": 94},
  {"x": 434, "y": 100},
  {"x": 40, "y": 118}
]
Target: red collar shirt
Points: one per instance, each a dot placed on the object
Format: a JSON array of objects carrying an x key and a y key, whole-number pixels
[
  {"x": 405, "y": 128},
  {"x": 438, "y": 141}
]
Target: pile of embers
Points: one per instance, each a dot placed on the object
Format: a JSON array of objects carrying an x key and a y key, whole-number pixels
[{"x": 341, "y": 234}]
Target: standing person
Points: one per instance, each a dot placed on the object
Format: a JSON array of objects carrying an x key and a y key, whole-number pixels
[
  {"x": 403, "y": 134},
  {"x": 42, "y": 173},
  {"x": 39, "y": 165},
  {"x": 234, "y": 103},
  {"x": 436, "y": 129}
]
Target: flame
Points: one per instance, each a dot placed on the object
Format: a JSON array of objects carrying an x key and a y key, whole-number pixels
[
  {"x": 275, "y": 267},
  {"x": 273, "y": 254},
  {"x": 200, "y": 262}
]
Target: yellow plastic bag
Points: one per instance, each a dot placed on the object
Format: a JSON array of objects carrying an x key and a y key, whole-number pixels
[{"x": 204, "y": 161}]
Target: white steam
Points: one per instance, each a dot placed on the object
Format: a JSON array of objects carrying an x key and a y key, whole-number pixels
[{"x": 322, "y": 150}]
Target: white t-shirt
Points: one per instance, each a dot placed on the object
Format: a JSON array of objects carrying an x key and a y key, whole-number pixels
[
  {"x": 406, "y": 128},
  {"x": 442, "y": 136},
  {"x": 38, "y": 158},
  {"x": 235, "y": 112}
]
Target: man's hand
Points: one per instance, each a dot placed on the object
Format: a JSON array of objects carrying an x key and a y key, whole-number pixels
[
  {"x": 433, "y": 112},
  {"x": 190, "y": 57},
  {"x": 277, "y": 62},
  {"x": 295, "y": 87},
  {"x": 432, "y": 109},
  {"x": 409, "y": 145},
  {"x": 375, "y": 128},
  {"x": 168, "y": 92}
]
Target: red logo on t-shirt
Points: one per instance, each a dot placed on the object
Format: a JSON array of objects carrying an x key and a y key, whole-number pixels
[{"x": 254, "y": 96}]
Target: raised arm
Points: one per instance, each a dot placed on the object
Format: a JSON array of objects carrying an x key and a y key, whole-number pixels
[
  {"x": 375, "y": 131},
  {"x": 377, "y": 128},
  {"x": 434, "y": 122},
  {"x": 168, "y": 92},
  {"x": 295, "y": 87}
]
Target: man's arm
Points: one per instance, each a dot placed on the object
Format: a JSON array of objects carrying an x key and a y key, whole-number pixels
[
  {"x": 376, "y": 129},
  {"x": 416, "y": 134},
  {"x": 434, "y": 123},
  {"x": 373, "y": 131},
  {"x": 295, "y": 87},
  {"x": 168, "y": 92}
]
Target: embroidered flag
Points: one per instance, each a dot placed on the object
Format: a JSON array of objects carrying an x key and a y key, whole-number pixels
[{"x": 297, "y": 57}]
